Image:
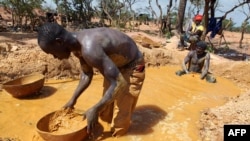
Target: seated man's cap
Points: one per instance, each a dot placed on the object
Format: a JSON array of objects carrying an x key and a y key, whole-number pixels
[{"x": 198, "y": 17}]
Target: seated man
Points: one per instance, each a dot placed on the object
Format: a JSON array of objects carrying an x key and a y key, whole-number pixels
[
  {"x": 192, "y": 33},
  {"x": 198, "y": 61}
]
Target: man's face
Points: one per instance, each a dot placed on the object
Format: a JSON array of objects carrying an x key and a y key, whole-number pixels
[
  {"x": 197, "y": 22},
  {"x": 56, "y": 49},
  {"x": 199, "y": 50}
]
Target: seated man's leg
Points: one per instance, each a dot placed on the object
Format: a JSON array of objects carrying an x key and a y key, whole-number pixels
[
  {"x": 183, "y": 39},
  {"x": 181, "y": 42}
]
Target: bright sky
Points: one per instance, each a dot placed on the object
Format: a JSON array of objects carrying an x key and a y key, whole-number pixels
[
  {"x": 237, "y": 15},
  {"x": 225, "y": 5}
]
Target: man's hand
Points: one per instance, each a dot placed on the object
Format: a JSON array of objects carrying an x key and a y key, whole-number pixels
[
  {"x": 92, "y": 119},
  {"x": 210, "y": 79},
  {"x": 203, "y": 75},
  {"x": 70, "y": 104}
]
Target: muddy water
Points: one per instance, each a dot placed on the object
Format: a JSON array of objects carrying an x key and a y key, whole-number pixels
[{"x": 168, "y": 108}]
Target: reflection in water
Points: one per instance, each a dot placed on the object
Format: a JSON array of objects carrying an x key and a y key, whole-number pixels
[{"x": 168, "y": 108}]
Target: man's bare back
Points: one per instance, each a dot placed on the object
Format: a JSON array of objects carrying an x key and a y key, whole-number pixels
[{"x": 106, "y": 49}]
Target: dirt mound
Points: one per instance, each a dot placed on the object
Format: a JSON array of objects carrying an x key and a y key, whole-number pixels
[
  {"x": 61, "y": 122},
  {"x": 26, "y": 59},
  {"x": 21, "y": 58},
  {"x": 237, "y": 71},
  {"x": 236, "y": 111}
]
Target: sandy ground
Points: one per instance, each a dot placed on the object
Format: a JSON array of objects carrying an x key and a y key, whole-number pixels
[{"x": 169, "y": 108}]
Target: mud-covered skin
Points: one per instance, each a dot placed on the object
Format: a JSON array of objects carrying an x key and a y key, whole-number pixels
[
  {"x": 198, "y": 61},
  {"x": 102, "y": 48}
]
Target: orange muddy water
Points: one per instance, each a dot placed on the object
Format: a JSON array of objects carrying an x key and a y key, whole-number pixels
[{"x": 168, "y": 108}]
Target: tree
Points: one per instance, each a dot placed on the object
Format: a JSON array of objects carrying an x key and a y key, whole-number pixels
[
  {"x": 160, "y": 19},
  {"x": 129, "y": 13},
  {"x": 110, "y": 10},
  {"x": 244, "y": 25},
  {"x": 22, "y": 10},
  {"x": 169, "y": 19},
  {"x": 152, "y": 11},
  {"x": 75, "y": 11},
  {"x": 83, "y": 11},
  {"x": 181, "y": 15},
  {"x": 64, "y": 7}
]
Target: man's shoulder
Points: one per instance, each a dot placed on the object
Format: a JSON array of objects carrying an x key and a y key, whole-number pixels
[{"x": 207, "y": 54}]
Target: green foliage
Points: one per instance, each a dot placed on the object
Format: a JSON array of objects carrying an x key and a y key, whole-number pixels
[
  {"x": 22, "y": 8},
  {"x": 168, "y": 35},
  {"x": 226, "y": 22},
  {"x": 77, "y": 10},
  {"x": 122, "y": 25},
  {"x": 142, "y": 17},
  {"x": 222, "y": 48},
  {"x": 173, "y": 16},
  {"x": 248, "y": 29},
  {"x": 210, "y": 48}
]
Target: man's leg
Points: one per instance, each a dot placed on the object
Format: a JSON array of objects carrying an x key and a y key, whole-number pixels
[
  {"x": 182, "y": 44},
  {"x": 125, "y": 104}
]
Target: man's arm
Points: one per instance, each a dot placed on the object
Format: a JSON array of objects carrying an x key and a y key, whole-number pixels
[
  {"x": 117, "y": 84},
  {"x": 198, "y": 33},
  {"x": 85, "y": 79},
  {"x": 206, "y": 66},
  {"x": 186, "y": 61}
]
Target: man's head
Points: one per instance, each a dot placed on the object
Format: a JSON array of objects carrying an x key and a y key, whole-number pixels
[
  {"x": 198, "y": 18},
  {"x": 201, "y": 46},
  {"x": 51, "y": 40}
]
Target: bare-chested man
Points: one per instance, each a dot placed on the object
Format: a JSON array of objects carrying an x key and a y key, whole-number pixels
[
  {"x": 197, "y": 61},
  {"x": 117, "y": 58}
]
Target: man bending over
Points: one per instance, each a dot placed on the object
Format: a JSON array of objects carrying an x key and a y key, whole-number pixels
[{"x": 117, "y": 58}]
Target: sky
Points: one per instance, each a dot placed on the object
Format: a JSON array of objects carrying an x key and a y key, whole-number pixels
[{"x": 224, "y": 5}]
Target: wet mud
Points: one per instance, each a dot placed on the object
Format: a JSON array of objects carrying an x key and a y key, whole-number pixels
[{"x": 169, "y": 107}]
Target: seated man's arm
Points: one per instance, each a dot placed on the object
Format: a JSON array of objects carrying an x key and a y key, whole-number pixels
[
  {"x": 187, "y": 61},
  {"x": 195, "y": 36},
  {"x": 198, "y": 33},
  {"x": 206, "y": 66}
]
